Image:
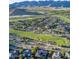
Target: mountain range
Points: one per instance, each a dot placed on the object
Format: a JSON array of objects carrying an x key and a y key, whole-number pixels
[{"x": 40, "y": 3}]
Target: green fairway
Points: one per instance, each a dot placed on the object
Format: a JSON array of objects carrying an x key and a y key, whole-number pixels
[
  {"x": 41, "y": 37},
  {"x": 12, "y": 19},
  {"x": 65, "y": 19}
]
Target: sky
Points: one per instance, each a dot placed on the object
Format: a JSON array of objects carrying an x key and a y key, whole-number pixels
[{"x": 12, "y": 1}]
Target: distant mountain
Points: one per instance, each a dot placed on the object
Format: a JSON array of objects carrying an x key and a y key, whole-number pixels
[{"x": 41, "y": 3}]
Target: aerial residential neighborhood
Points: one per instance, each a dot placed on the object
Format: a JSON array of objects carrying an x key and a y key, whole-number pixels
[{"x": 39, "y": 30}]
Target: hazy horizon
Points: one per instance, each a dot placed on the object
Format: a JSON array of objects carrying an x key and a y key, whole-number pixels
[{"x": 13, "y": 1}]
